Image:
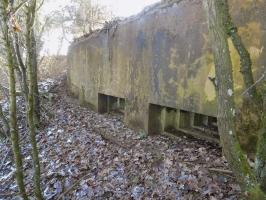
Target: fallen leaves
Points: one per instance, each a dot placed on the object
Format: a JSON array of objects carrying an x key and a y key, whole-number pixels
[{"x": 85, "y": 155}]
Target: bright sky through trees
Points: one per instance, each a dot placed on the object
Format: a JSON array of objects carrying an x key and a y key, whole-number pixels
[
  {"x": 125, "y": 8},
  {"x": 119, "y": 8}
]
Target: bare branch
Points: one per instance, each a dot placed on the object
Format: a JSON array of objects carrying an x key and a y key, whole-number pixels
[
  {"x": 253, "y": 85},
  {"x": 39, "y": 7},
  {"x": 15, "y": 10}
]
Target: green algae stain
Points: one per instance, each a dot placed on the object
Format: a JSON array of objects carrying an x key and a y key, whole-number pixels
[
  {"x": 244, "y": 4},
  {"x": 195, "y": 84},
  {"x": 252, "y": 35},
  {"x": 238, "y": 78},
  {"x": 209, "y": 88}
]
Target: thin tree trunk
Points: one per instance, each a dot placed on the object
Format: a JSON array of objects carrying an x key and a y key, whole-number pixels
[
  {"x": 226, "y": 105},
  {"x": 245, "y": 59},
  {"x": 260, "y": 161},
  {"x": 12, "y": 100},
  {"x": 37, "y": 108},
  {"x": 14, "y": 131},
  {"x": 5, "y": 129},
  {"x": 253, "y": 102},
  {"x": 251, "y": 111},
  {"x": 24, "y": 84},
  {"x": 2, "y": 134},
  {"x": 32, "y": 129},
  {"x": 31, "y": 104}
]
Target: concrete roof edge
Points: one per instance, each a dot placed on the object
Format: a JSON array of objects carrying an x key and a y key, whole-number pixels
[{"x": 118, "y": 21}]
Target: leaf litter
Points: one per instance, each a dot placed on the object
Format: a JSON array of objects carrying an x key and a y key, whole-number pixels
[{"x": 86, "y": 155}]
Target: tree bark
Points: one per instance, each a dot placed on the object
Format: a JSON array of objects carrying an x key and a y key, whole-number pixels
[
  {"x": 23, "y": 70},
  {"x": 32, "y": 59},
  {"x": 245, "y": 59},
  {"x": 5, "y": 129},
  {"x": 253, "y": 102},
  {"x": 226, "y": 105},
  {"x": 260, "y": 161},
  {"x": 32, "y": 63},
  {"x": 12, "y": 99},
  {"x": 251, "y": 111},
  {"x": 37, "y": 114}
]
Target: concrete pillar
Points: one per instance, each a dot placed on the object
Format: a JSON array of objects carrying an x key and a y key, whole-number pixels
[
  {"x": 185, "y": 119},
  {"x": 102, "y": 103},
  {"x": 156, "y": 119}
]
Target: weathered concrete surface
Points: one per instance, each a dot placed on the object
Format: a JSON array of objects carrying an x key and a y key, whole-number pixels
[{"x": 162, "y": 57}]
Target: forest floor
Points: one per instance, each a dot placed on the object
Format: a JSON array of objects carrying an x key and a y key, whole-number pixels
[{"x": 85, "y": 155}]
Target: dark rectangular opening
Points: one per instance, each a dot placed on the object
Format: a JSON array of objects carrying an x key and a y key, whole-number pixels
[
  {"x": 171, "y": 116},
  {"x": 107, "y": 104},
  {"x": 205, "y": 123},
  {"x": 155, "y": 124},
  {"x": 200, "y": 120},
  {"x": 175, "y": 121},
  {"x": 185, "y": 119},
  {"x": 162, "y": 119},
  {"x": 212, "y": 123}
]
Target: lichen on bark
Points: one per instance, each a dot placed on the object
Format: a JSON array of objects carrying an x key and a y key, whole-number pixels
[
  {"x": 218, "y": 16},
  {"x": 10, "y": 56},
  {"x": 31, "y": 104}
]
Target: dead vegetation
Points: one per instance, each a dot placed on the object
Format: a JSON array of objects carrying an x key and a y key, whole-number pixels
[{"x": 85, "y": 155}]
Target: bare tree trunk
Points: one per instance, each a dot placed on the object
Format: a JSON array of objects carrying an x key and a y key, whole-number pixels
[
  {"x": 32, "y": 129},
  {"x": 2, "y": 134},
  {"x": 226, "y": 105},
  {"x": 245, "y": 59},
  {"x": 251, "y": 111},
  {"x": 23, "y": 70},
  {"x": 37, "y": 108},
  {"x": 32, "y": 65},
  {"x": 14, "y": 131},
  {"x": 5, "y": 129},
  {"x": 12, "y": 99},
  {"x": 260, "y": 161}
]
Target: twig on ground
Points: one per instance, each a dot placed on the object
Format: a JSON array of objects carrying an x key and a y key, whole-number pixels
[
  {"x": 73, "y": 186},
  {"x": 224, "y": 171},
  {"x": 113, "y": 141}
]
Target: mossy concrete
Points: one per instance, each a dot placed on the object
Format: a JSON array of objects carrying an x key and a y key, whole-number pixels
[{"x": 162, "y": 57}]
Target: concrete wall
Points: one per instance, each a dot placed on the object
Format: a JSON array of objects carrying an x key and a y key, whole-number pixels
[{"x": 162, "y": 58}]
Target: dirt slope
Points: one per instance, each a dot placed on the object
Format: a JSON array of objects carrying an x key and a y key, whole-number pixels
[{"x": 85, "y": 155}]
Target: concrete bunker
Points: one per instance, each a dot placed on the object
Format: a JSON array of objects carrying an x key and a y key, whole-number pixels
[
  {"x": 155, "y": 66},
  {"x": 107, "y": 103},
  {"x": 174, "y": 121}
]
